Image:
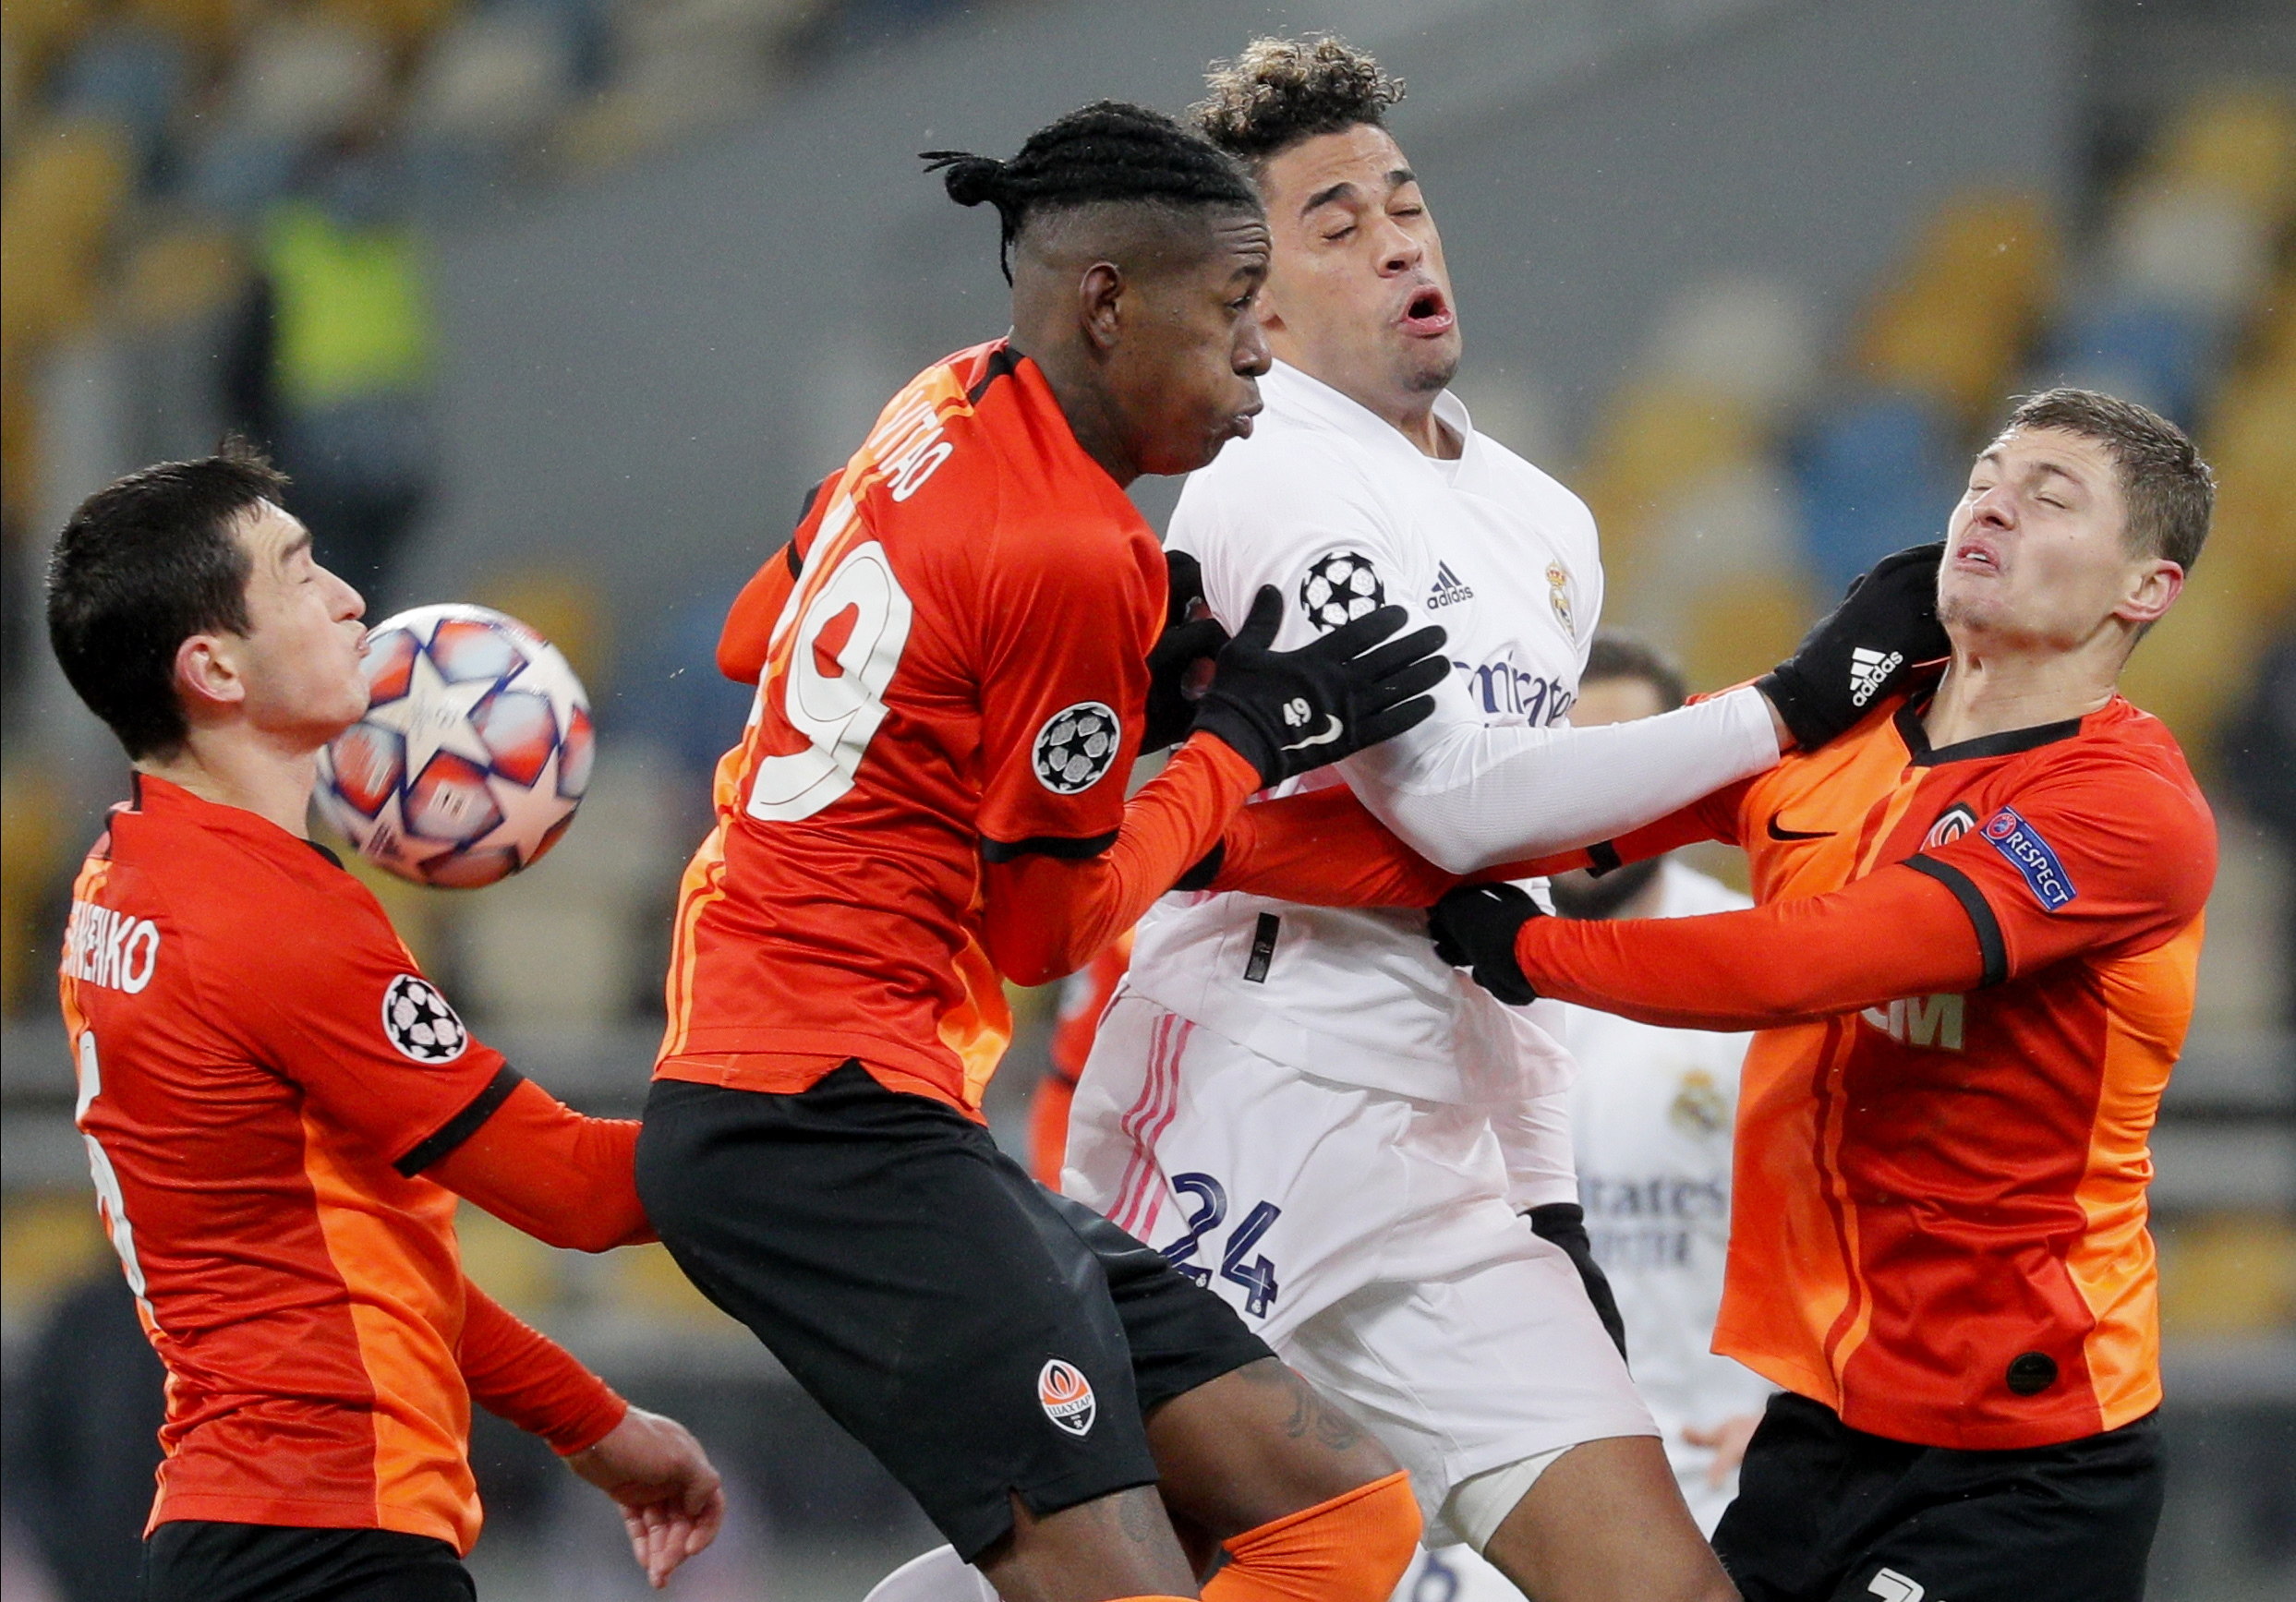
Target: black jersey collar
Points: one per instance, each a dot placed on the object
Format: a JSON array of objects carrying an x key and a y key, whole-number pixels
[{"x": 2009, "y": 742}]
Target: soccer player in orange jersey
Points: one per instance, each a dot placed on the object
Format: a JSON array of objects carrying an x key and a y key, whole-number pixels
[
  {"x": 280, "y": 1110},
  {"x": 1973, "y": 967},
  {"x": 954, "y": 676}
]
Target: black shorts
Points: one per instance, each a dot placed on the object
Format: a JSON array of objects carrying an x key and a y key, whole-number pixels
[
  {"x": 981, "y": 1336},
  {"x": 201, "y": 1560},
  {"x": 1828, "y": 1513}
]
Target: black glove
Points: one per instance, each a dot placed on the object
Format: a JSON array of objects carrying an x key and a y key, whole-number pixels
[
  {"x": 1563, "y": 1224},
  {"x": 1475, "y": 927},
  {"x": 1287, "y": 712},
  {"x": 1856, "y": 656},
  {"x": 1182, "y": 654}
]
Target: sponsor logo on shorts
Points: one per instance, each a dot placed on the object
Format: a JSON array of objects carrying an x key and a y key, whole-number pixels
[
  {"x": 2031, "y": 856},
  {"x": 1892, "y": 1587},
  {"x": 1066, "y": 1396}
]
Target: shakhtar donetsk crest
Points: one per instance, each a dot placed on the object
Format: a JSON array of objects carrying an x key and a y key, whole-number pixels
[
  {"x": 1954, "y": 822},
  {"x": 1065, "y": 1396},
  {"x": 1558, "y": 596}
]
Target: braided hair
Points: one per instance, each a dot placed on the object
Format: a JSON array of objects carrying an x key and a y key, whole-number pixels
[{"x": 1106, "y": 151}]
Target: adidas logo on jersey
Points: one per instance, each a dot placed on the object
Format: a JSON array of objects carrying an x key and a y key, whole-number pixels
[
  {"x": 1870, "y": 670},
  {"x": 1450, "y": 589}
]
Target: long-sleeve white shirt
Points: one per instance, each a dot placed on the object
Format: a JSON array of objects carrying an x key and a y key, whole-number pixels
[{"x": 1336, "y": 509}]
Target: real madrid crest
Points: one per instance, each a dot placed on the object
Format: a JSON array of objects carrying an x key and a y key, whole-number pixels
[
  {"x": 1558, "y": 596},
  {"x": 1700, "y": 1106}
]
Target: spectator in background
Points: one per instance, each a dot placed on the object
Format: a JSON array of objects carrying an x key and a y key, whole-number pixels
[
  {"x": 2260, "y": 757},
  {"x": 334, "y": 360},
  {"x": 1651, "y": 1112}
]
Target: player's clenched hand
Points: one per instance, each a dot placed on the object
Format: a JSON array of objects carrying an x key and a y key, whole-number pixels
[
  {"x": 671, "y": 1500},
  {"x": 1287, "y": 712},
  {"x": 1854, "y": 656},
  {"x": 1475, "y": 927}
]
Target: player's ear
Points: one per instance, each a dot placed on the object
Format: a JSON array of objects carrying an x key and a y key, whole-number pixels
[
  {"x": 208, "y": 675},
  {"x": 2153, "y": 588},
  {"x": 1099, "y": 304}
]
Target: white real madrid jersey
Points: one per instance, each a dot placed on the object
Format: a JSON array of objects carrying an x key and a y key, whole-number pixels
[
  {"x": 1651, "y": 1117},
  {"x": 1336, "y": 507}
]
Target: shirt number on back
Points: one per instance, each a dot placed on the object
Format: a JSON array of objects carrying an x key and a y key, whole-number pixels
[
  {"x": 851, "y": 629},
  {"x": 110, "y": 1205}
]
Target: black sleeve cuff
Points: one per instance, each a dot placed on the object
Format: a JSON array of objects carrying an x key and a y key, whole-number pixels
[
  {"x": 1992, "y": 950},
  {"x": 450, "y": 1135},
  {"x": 1067, "y": 850},
  {"x": 1603, "y": 858}
]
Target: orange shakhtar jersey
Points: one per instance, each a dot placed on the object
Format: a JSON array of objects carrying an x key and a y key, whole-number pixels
[
  {"x": 261, "y": 1068},
  {"x": 1938, "y": 1214},
  {"x": 953, "y": 671}
]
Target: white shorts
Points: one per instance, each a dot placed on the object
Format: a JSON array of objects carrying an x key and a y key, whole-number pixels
[{"x": 1363, "y": 1234}]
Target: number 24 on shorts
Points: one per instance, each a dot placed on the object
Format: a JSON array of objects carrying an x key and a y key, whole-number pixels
[{"x": 1258, "y": 1278}]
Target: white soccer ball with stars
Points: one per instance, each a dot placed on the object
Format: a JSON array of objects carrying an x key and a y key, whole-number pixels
[
  {"x": 474, "y": 752},
  {"x": 1340, "y": 587}
]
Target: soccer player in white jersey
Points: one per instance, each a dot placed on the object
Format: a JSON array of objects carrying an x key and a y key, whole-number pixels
[
  {"x": 1302, "y": 1107},
  {"x": 1650, "y": 1116}
]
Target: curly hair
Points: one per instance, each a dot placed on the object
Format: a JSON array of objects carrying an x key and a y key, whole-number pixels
[
  {"x": 1106, "y": 151},
  {"x": 1279, "y": 92}
]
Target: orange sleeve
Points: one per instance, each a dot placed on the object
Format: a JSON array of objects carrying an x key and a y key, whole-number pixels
[
  {"x": 1897, "y": 932},
  {"x": 744, "y": 642},
  {"x": 1325, "y": 848},
  {"x": 1046, "y": 914},
  {"x": 2098, "y": 853},
  {"x": 516, "y": 1372},
  {"x": 539, "y": 1166}
]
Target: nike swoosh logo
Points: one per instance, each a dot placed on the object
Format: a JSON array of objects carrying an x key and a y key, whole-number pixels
[
  {"x": 1778, "y": 834},
  {"x": 1332, "y": 730}
]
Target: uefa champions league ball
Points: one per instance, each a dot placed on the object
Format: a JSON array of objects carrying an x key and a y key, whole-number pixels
[{"x": 474, "y": 752}]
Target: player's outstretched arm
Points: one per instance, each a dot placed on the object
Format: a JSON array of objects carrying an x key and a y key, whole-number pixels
[
  {"x": 672, "y": 1501},
  {"x": 1327, "y": 849},
  {"x": 539, "y": 1166},
  {"x": 1897, "y": 933},
  {"x": 1468, "y": 796}
]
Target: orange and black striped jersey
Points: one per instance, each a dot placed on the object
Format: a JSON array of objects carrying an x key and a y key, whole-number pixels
[
  {"x": 951, "y": 662},
  {"x": 263, "y": 1074},
  {"x": 1978, "y": 962}
]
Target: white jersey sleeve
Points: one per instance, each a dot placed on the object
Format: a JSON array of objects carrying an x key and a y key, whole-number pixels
[{"x": 1463, "y": 791}]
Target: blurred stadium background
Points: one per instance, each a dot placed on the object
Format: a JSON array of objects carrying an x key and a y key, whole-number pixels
[{"x": 561, "y": 304}]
